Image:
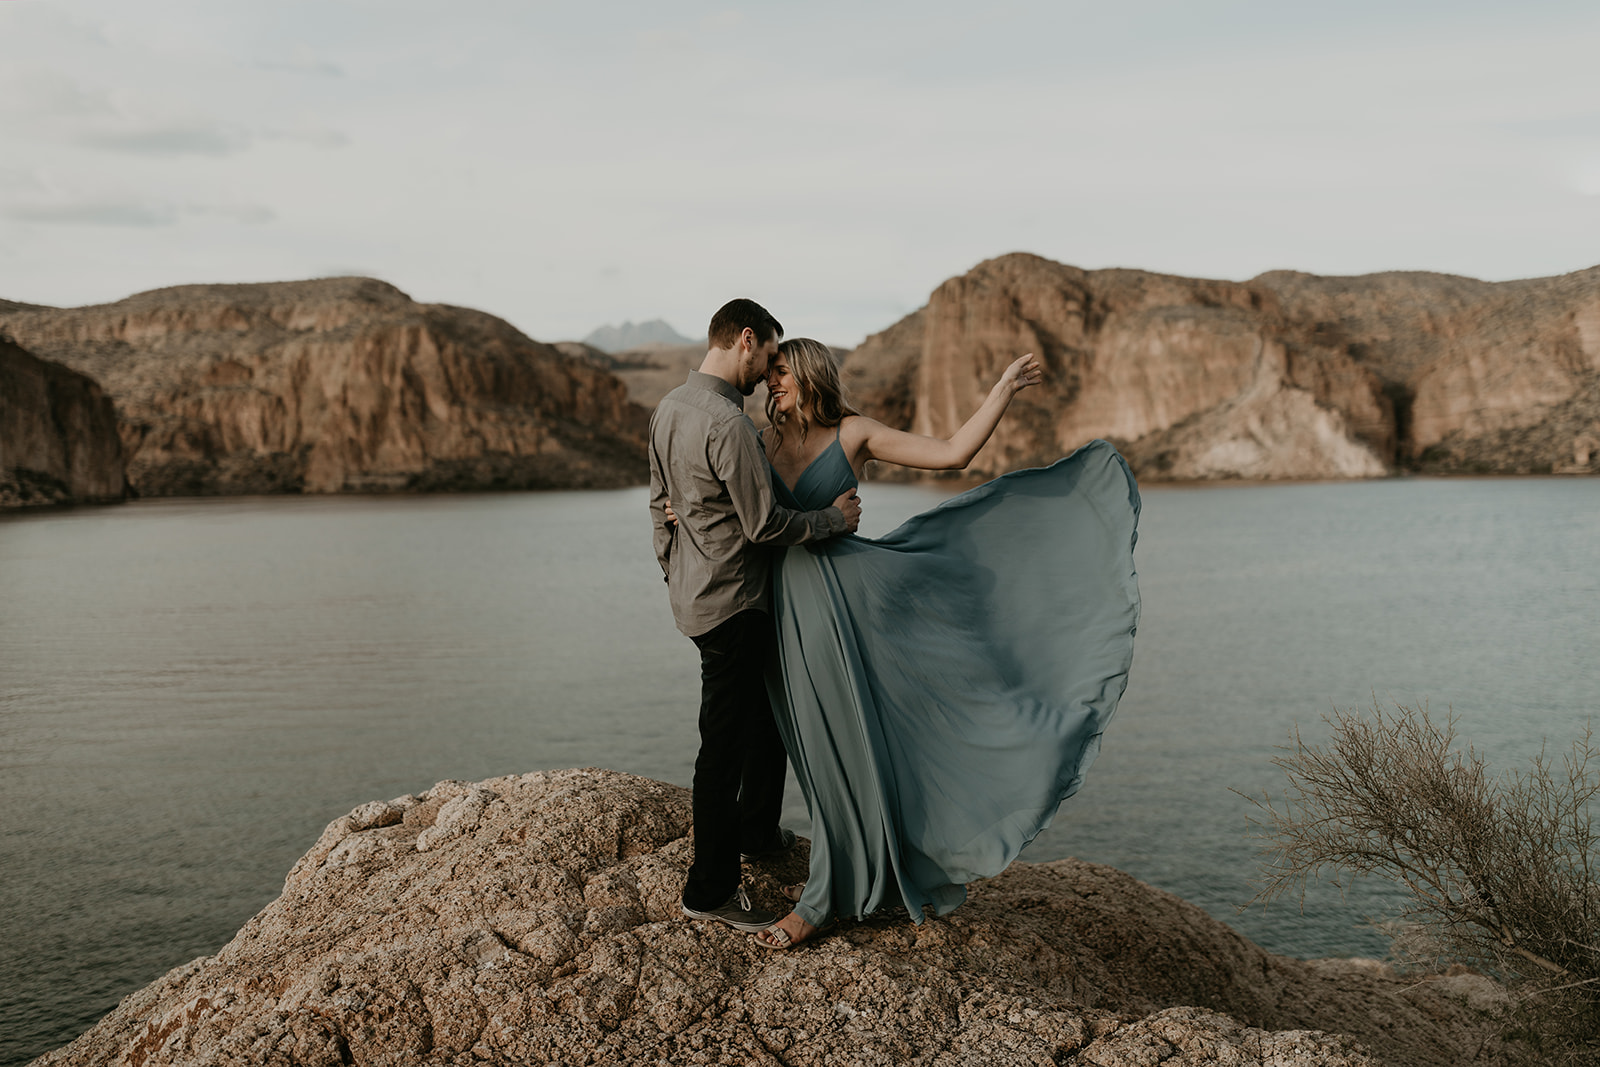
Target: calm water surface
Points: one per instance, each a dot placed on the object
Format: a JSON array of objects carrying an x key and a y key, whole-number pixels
[{"x": 191, "y": 690}]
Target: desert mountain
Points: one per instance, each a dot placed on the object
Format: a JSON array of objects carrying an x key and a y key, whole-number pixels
[
  {"x": 636, "y": 335},
  {"x": 1287, "y": 375},
  {"x": 333, "y": 385}
]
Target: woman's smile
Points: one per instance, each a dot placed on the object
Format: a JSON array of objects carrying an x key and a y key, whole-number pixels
[{"x": 781, "y": 385}]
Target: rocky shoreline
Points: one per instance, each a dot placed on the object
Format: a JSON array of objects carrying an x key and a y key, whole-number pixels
[{"x": 534, "y": 919}]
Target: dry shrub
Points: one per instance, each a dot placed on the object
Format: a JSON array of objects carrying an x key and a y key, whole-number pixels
[{"x": 1500, "y": 868}]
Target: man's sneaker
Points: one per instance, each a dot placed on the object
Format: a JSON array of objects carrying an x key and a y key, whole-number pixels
[
  {"x": 737, "y": 913},
  {"x": 782, "y": 842}
]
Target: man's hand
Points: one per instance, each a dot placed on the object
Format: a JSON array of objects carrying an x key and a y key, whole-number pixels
[{"x": 850, "y": 505}]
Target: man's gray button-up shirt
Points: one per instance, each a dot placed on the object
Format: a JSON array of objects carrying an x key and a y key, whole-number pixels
[{"x": 706, "y": 458}]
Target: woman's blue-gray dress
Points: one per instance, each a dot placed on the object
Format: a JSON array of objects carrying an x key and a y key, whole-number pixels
[{"x": 943, "y": 688}]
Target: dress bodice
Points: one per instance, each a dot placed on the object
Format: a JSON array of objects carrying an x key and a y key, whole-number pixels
[{"x": 820, "y": 484}]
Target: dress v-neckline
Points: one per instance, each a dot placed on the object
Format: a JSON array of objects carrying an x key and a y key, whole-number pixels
[{"x": 793, "y": 489}]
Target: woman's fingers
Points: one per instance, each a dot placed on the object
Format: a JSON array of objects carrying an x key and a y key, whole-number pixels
[{"x": 1025, "y": 371}]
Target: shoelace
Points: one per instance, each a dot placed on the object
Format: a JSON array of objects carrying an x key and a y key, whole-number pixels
[{"x": 743, "y": 898}]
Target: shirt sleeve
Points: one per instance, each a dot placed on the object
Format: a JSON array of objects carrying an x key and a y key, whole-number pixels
[
  {"x": 737, "y": 459},
  {"x": 661, "y": 530}
]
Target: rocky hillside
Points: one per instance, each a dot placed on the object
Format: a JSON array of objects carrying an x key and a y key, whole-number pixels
[
  {"x": 651, "y": 372},
  {"x": 535, "y": 919},
  {"x": 1284, "y": 376},
  {"x": 335, "y": 385},
  {"x": 58, "y": 435}
]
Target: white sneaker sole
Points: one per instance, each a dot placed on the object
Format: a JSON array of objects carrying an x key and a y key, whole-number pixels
[{"x": 742, "y": 927}]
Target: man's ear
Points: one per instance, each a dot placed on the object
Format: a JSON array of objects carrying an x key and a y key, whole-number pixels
[{"x": 747, "y": 340}]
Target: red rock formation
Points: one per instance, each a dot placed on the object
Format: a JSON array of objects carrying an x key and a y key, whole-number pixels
[
  {"x": 1485, "y": 376},
  {"x": 1285, "y": 376},
  {"x": 58, "y": 435},
  {"x": 335, "y": 385}
]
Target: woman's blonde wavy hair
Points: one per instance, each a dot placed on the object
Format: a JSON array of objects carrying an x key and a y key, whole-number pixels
[{"x": 821, "y": 398}]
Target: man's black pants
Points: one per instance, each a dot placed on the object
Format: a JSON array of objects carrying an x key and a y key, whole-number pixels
[{"x": 738, "y": 776}]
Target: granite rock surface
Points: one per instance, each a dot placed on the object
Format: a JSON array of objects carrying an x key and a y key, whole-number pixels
[
  {"x": 1288, "y": 375},
  {"x": 58, "y": 435},
  {"x": 341, "y": 384},
  {"x": 535, "y": 919}
]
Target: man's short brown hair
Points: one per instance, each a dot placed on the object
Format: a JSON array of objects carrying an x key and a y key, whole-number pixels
[{"x": 734, "y": 317}]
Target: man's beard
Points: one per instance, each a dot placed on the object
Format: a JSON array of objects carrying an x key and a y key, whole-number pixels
[{"x": 748, "y": 382}]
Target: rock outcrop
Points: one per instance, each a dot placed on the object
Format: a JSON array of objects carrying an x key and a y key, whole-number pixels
[
  {"x": 1284, "y": 376},
  {"x": 535, "y": 919},
  {"x": 650, "y": 373},
  {"x": 343, "y": 384},
  {"x": 58, "y": 435}
]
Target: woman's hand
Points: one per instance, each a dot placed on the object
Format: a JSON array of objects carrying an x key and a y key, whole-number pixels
[
  {"x": 870, "y": 439},
  {"x": 1023, "y": 372},
  {"x": 671, "y": 515}
]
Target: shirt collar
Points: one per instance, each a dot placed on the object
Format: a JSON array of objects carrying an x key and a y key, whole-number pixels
[{"x": 702, "y": 380}]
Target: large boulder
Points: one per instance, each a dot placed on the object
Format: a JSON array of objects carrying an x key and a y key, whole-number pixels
[
  {"x": 342, "y": 384},
  {"x": 58, "y": 435},
  {"x": 535, "y": 919}
]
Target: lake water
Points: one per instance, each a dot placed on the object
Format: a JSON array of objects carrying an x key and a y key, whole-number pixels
[{"x": 190, "y": 690}]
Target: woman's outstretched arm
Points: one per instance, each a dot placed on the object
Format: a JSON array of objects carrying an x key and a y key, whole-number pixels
[{"x": 880, "y": 442}]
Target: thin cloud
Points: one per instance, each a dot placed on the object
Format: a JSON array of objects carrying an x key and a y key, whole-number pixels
[
  {"x": 126, "y": 212},
  {"x": 103, "y": 213},
  {"x": 177, "y": 140}
]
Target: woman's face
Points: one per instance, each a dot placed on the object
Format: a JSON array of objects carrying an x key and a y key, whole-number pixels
[{"x": 782, "y": 387}]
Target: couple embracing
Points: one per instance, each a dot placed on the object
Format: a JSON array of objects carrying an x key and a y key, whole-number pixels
[{"x": 939, "y": 691}]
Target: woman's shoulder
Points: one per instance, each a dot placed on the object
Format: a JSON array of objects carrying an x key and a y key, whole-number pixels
[
  {"x": 855, "y": 429},
  {"x": 856, "y": 425}
]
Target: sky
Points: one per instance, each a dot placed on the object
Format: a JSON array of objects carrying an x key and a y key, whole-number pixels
[{"x": 572, "y": 165}]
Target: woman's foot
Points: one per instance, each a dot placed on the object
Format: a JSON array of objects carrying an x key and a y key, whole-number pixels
[
  {"x": 786, "y": 933},
  {"x": 793, "y": 893}
]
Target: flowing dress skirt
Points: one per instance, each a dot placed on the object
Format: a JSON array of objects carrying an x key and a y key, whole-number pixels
[{"x": 943, "y": 689}]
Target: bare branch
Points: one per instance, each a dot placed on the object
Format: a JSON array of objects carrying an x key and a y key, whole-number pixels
[{"x": 1500, "y": 869}]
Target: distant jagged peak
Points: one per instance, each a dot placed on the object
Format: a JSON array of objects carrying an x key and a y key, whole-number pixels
[{"x": 636, "y": 335}]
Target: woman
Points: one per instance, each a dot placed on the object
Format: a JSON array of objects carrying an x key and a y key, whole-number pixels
[{"x": 942, "y": 689}]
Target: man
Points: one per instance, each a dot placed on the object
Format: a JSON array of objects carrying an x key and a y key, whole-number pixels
[{"x": 706, "y": 459}]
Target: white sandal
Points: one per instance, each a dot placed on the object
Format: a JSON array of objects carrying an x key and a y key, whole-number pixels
[{"x": 777, "y": 938}]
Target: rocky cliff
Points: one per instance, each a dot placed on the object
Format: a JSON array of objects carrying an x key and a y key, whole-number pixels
[
  {"x": 333, "y": 385},
  {"x": 1284, "y": 376},
  {"x": 651, "y": 372},
  {"x": 58, "y": 435},
  {"x": 534, "y": 919}
]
